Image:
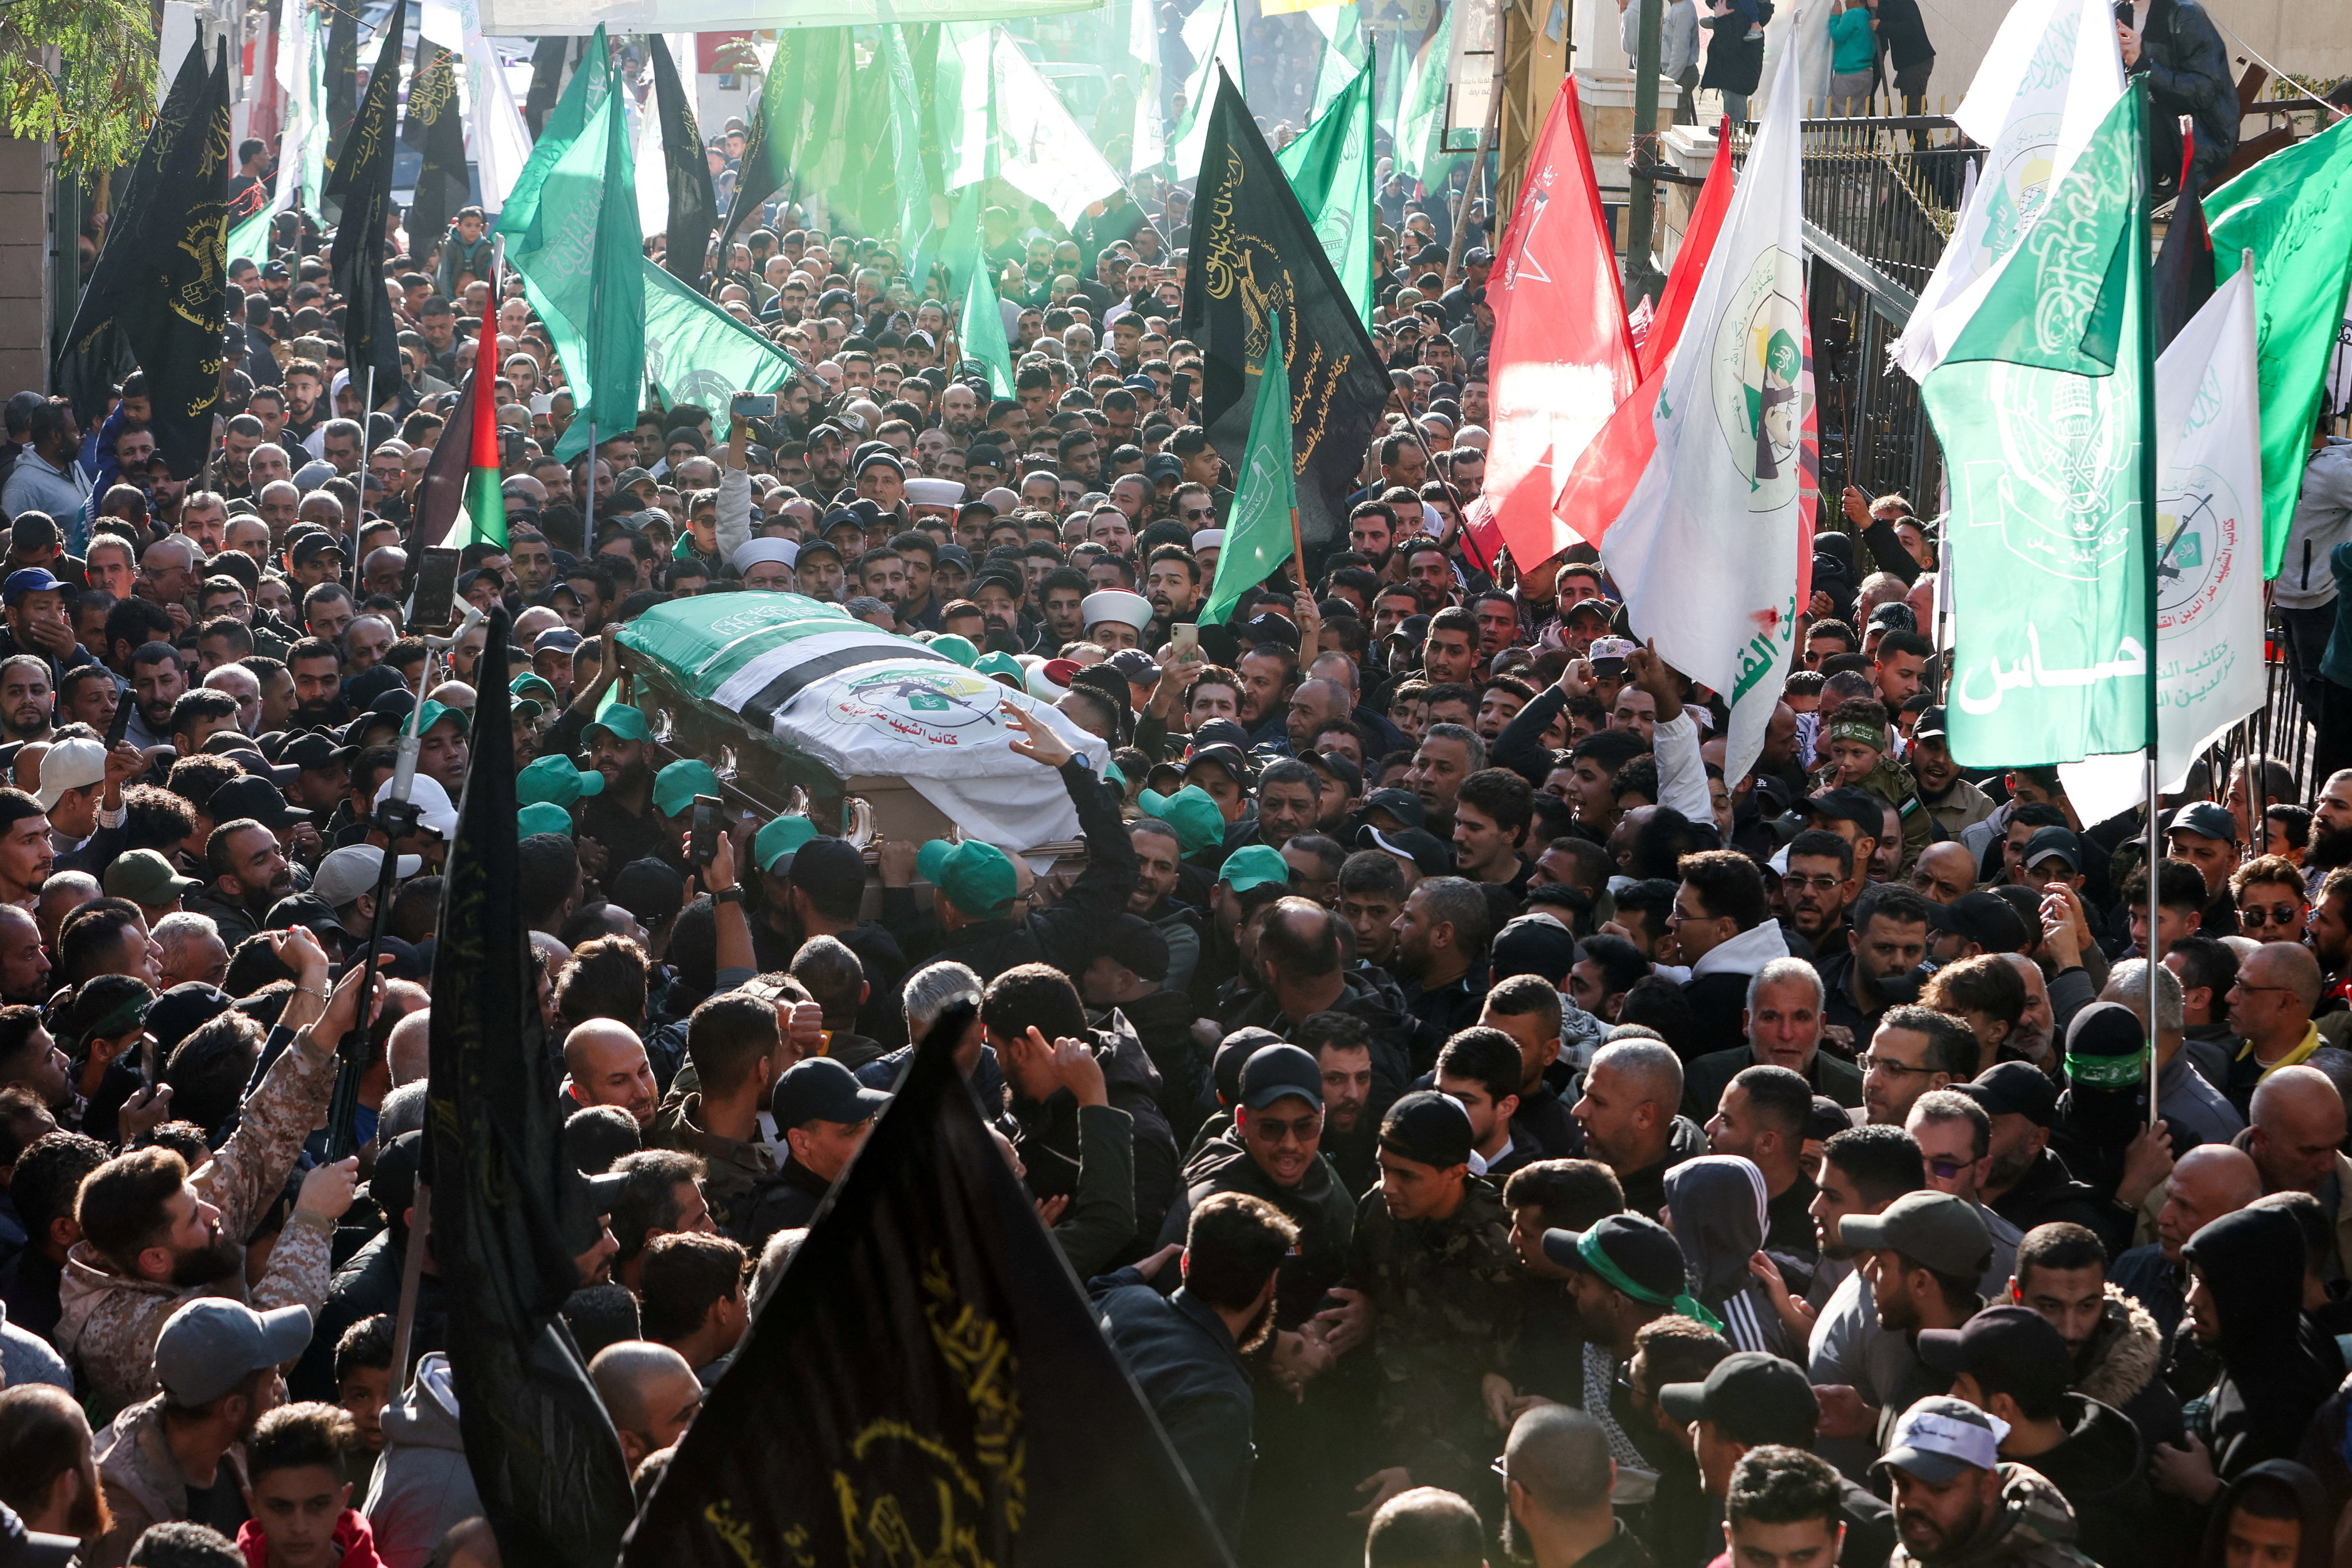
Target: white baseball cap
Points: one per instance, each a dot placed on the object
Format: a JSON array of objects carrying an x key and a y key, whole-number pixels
[{"x": 70, "y": 765}]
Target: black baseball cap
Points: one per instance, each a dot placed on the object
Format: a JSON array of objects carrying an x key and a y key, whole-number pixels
[
  {"x": 2031, "y": 1354},
  {"x": 1631, "y": 1250},
  {"x": 2015, "y": 1088},
  {"x": 1929, "y": 726},
  {"x": 1753, "y": 1397},
  {"x": 2205, "y": 819},
  {"x": 1427, "y": 1128},
  {"x": 821, "y": 1089},
  {"x": 1984, "y": 918},
  {"x": 1400, "y": 804},
  {"x": 256, "y": 798},
  {"x": 1234, "y": 1053},
  {"x": 1134, "y": 941},
  {"x": 2053, "y": 840},
  {"x": 1858, "y": 806},
  {"x": 1280, "y": 1072}
]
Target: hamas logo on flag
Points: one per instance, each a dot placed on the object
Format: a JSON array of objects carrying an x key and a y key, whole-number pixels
[
  {"x": 2064, "y": 450},
  {"x": 1759, "y": 387}
]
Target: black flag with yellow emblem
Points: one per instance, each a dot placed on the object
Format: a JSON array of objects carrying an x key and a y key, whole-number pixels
[
  {"x": 436, "y": 129},
  {"x": 928, "y": 1384},
  {"x": 1253, "y": 253},
  {"x": 693, "y": 203},
  {"x": 361, "y": 180},
  {"x": 159, "y": 290}
]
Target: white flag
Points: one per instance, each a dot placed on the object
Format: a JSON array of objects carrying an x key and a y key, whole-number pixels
[
  {"x": 1716, "y": 454},
  {"x": 1147, "y": 141},
  {"x": 495, "y": 138},
  {"x": 652, "y": 169},
  {"x": 2209, "y": 537},
  {"x": 2052, "y": 73},
  {"x": 1017, "y": 129},
  {"x": 1213, "y": 35}
]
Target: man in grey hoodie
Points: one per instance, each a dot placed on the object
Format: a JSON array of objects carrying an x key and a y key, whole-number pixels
[{"x": 422, "y": 1484}]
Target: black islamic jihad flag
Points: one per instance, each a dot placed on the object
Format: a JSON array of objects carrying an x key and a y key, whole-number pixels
[
  {"x": 928, "y": 1385},
  {"x": 693, "y": 203},
  {"x": 362, "y": 178},
  {"x": 340, "y": 74},
  {"x": 1253, "y": 252},
  {"x": 96, "y": 353},
  {"x": 159, "y": 290},
  {"x": 510, "y": 1213},
  {"x": 436, "y": 129}
]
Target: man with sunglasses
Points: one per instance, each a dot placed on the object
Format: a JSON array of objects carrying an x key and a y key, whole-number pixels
[{"x": 2268, "y": 896}]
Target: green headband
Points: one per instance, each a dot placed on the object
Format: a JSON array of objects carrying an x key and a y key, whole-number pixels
[
  {"x": 1869, "y": 735},
  {"x": 2107, "y": 1072},
  {"x": 132, "y": 1010},
  {"x": 1588, "y": 1246}
]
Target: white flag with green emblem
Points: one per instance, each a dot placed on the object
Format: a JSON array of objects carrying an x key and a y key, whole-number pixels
[
  {"x": 1213, "y": 35},
  {"x": 2041, "y": 405},
  {"x": 2051, "y": 75}
]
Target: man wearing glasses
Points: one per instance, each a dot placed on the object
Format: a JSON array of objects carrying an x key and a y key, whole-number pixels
[
  {"x": 1915, "y": 1050},
  {"x": 2269, "y": 895}
]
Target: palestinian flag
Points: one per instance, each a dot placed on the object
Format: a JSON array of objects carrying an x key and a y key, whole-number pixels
[{"x": 482, "y": 514}]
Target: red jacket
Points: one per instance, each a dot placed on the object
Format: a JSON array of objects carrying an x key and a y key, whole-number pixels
[{"x": 352, "y": 1533}]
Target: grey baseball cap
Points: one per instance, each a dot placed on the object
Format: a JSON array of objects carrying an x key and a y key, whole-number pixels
[
  {"x": 212, "y": 1344},
  {"x": 1945, "y": 1232}
]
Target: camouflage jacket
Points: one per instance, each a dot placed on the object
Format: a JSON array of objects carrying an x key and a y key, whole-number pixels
[
  {"x": 108, "y": 1321},
  {"x": 141, "y": 1480},
  {"x": 1448, "y": 1296},
  {"x": 2034, "y": 1527}
]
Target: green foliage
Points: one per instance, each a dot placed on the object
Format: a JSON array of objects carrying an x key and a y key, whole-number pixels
[{"x": 80, "y": 72}]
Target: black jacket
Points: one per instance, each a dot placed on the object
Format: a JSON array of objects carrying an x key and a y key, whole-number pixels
[
  {"x": 1323, "y": 1210},
  {"x": 1705, "y": 1077},
  {"x": 1046, "y": 1132},
  {"x": 783, "y": 1200},
  {"x": 1390, "y": 1028},
  {"x": 1182, "y": 1359},
  {"x": 1063, "y": 936},
  {"x": 2102, "y": 1468},
  {"x": 2188, "y": 71},
  {"x": 2276, "y": 1370},
  {"x": 2049, "y": 1192}
]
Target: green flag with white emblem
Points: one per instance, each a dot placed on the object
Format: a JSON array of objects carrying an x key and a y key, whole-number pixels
[
  {"x": 2044, "y": 406},
  {"x": 1266, "y": 492},
  {"x": 1330, "y": 170}
]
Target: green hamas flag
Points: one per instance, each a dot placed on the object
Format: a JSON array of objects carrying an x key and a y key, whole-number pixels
[
  {"x": 984, "y": 330},
  {"x": 1265, "y": 494},
  {"x": 1255, "y": 255},
  {"x": 1346, "y": 53},
  {"x": 2293, "y": 211},
  {"x": 1420, "y": 116},
  {"x": 1213, "y": 35},
  {"x": 2044, "y": 408},
  {"x": 697, "y": 352},
  {"x": 582, "y": 268},
  {"x": 1330, "y": 169},
  {"x": 249, "y": 241},
  {"x": 565, "y": 123}
]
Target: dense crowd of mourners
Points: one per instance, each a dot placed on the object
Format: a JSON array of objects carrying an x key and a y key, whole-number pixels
[{"x": 1473, "y": 1114}]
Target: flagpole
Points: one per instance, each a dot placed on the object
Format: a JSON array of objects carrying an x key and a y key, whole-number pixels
[
  {"x": 588, "y": 517},
  {"x": 2146, "y": 370}
]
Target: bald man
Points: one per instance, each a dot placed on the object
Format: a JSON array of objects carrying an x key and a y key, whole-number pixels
[
  {"x": 650, "y": 1392},
  {"x": 2269, "y": 1013},
  {"x": 407, "y": 1051},
  {"x": 608, "y": 1066},
  {"x": 2298, "y": 1120},
  {"x": 1943, "y": 872},
  {"x": 2207, "y": 1182},
  {"x": 1557, "y": 1480}
]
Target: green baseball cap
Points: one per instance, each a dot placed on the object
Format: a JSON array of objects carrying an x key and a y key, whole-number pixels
[
  {"x": 977, "y": 879},
  {"x": 144, "y": 876},
  {"x": 676, "y": 786},
  {"x": 433, "y": 712},
  {"x": 622, "y": 721},
  {"x": 1192, "y": 812},
  {"x": 1254, "y": 867},
  {"x": 1004, "y": 663},
  {"x": 775, "y": 844},
  {"x": 542, "y": 818},
  {"x": 957, "y": 648},
  {"x": 532, "y": 695},
  {"x": 557, "y": 782}
]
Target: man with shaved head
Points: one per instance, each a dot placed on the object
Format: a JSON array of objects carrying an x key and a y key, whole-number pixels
[
  {"x": 2207, "y": 1182},
  {"x": 2270, "y": 1014},
  {"x": 1629, "y": 1116},
  {"x": 2292, "y": 1135},
  {"x": 1315, "y": 704},
  {"x": 1557, "y": 1479},
  {"x": 1943, "y": 872},
  {"x": 650, "y": 1392},
  {"x": 608, "y": 1066}
]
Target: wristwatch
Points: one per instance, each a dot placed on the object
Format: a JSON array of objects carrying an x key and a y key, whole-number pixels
[
  {"x": 1082, "y": 760},
  {"x": 728, "y": 896}
]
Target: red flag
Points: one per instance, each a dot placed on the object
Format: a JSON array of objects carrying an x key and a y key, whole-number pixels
[
  {"x": 1563, "y": 357},
  {"x": 1690, "y": 260}
]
